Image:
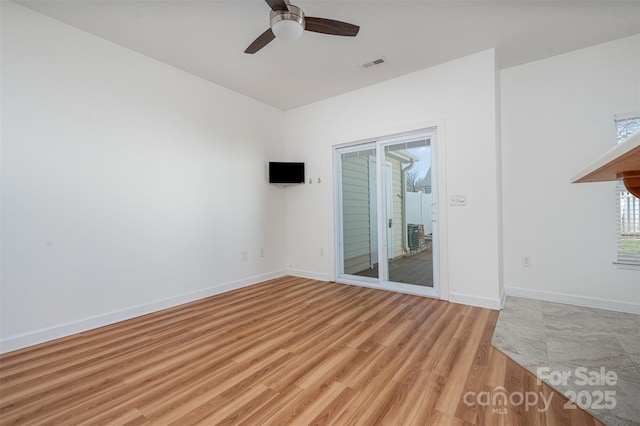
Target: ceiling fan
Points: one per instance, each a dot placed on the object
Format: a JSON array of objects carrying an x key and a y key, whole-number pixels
[{"x": 288, "y": 22}]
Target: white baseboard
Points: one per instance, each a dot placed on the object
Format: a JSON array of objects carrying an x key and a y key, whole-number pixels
[
  {"x": 307, "y": 274},
  {"x": 570, "y": 299},
  {"x": 50, "y": 333},
  {"x": 482, "y": 302}
]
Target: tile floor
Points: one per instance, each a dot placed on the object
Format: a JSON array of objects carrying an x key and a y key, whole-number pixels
[{"x": 583, "y": 344}]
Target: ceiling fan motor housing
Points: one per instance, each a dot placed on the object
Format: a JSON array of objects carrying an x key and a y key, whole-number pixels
[{"x": 287, "y": 24}]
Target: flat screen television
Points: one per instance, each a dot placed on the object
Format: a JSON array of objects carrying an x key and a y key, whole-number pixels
[{"x": 286, "y": 172}]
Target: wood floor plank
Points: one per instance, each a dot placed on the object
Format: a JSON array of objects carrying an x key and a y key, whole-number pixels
[
  {"x": 264, "y": 415},
  {"x": 478, "y": 374},
  {"x": 286, "y": 351},
  {"x": 461, "y": 360},
  {"x": 334, "y": 408}
]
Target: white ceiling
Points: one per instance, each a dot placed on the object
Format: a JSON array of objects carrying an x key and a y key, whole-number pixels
[{"x": 207, "y": 37}]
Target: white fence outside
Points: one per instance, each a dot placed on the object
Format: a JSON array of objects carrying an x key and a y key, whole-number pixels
[
  {"x": 629, "y": 212},
  {"x": 418, "y": 206}
]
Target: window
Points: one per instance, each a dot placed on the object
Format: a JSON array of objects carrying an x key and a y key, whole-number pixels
[{"x": 627, "y": 205}]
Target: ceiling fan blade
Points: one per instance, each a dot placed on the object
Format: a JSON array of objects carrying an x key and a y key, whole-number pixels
[
  {"x": 262, "y": 40},
  {"x": 330, "y": 26},
  {"x": 277, "y": 5}
]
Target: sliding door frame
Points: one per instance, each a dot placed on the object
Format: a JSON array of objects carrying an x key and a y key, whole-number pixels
[{"x": 440, "y": 287}]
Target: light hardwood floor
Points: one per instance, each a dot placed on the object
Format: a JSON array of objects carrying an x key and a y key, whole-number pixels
[{"x": 287, "y": 351}]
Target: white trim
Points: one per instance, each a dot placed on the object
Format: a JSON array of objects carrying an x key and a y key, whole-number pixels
[
  {"x": 418, "y": 290},
  {"x": 13, "y": 343},
  {"x": 441, "y": 226},
  {"x": 569, "y": 299},
  {"x": 413, "y": 290},
  {"x": 372, "y": 135},
  {"x": 633, "y": 266},
  {"x": 373, "y": 212},
  {"x": 308, "y": 274},
  {"x": 338, "y": 213},
  {"x": 387, "y": 172},
  {"x": 626, "y": 116},
  {"x": 482, "y": 302}
]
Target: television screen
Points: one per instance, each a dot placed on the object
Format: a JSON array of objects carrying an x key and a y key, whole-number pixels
[{"x": 286, "y": 172}]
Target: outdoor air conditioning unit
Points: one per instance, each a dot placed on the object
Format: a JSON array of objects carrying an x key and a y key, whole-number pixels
[{"x": 413, "y": 236}]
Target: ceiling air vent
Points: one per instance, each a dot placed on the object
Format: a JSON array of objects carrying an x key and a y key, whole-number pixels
[{"x": 374, "y": 63}]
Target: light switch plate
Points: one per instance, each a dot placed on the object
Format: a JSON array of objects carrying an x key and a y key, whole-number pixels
[{"x": 458, "y": 200}]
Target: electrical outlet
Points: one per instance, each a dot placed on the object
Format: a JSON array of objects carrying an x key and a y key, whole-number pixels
[
  {"x": 458, "y": 200},
  {"x": 321, "y": 252},
  {"x": 245, "y": 255},
  {"x": 261, "y": 252},
  {"x": 526, "y": 261}
]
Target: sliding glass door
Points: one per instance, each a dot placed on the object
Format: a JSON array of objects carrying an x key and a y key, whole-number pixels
[
  {"x": 386, "y": 213},
  {"x": 358, "y": 212}
]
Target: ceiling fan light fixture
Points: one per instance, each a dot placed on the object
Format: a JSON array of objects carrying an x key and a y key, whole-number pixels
[
  {"x": 287, "y": 30},
  {"x": 288, "y": 25},
  {"x": 287, "y": 22}
]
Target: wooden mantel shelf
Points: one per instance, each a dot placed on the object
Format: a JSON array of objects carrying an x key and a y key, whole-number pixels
[{"x": 620, "y": 162}]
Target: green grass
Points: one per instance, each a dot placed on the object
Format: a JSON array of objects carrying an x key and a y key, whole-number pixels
[{"x": 630, "y": 245}]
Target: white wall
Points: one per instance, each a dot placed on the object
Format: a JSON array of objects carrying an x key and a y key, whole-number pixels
[
  {"x": 127, "y": 185},
  {"x": 460, "y": 96},
  {"x": 557, "y": 117}
]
